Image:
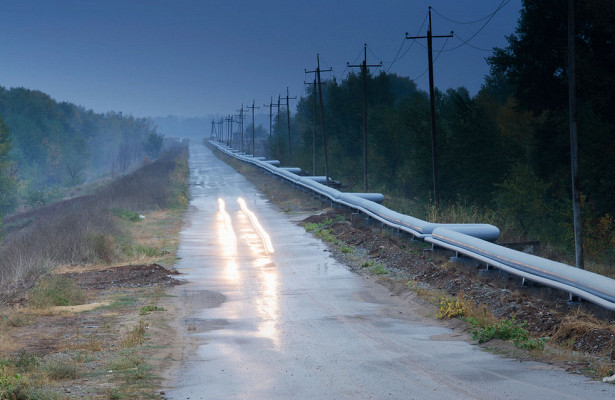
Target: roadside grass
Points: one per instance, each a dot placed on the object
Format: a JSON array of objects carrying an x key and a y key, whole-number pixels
[
  {"x": 95, "y": 232},
  {"x": 55, "y": 290},
  {"x": 92, "y": 229},
  {"x": 485, "y": 327}
]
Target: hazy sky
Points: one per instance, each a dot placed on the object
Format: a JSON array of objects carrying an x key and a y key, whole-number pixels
[{"x": 202, "y": 57}]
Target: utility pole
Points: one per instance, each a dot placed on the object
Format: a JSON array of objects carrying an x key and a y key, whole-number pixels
[
  {"x": 252, "y": 107},
  {"x": 322, "y": 114},
  {"x": 434, "y": 148},
  {"x": 221, "y": 129},
  {"x": 213, "y": 135},
  {"x": 290, "y": 146},
  {"x": 229, "y": 138},
  {"x": 270, "y": 105},
  {"x": 364, "y": 67},
  {"x": 277, "y": 139},
  {"x": 241, "y": 117},
  {"x": 314, "y": 125},
  {"x": 572, "y": 109}
]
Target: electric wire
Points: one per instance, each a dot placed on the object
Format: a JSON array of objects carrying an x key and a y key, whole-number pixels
[
  {"x": 490, "y": 17},
  {"x": 472, "y": 22},
  {"x": 396, "y": 58},
  {"x": 434, "y": 62}
]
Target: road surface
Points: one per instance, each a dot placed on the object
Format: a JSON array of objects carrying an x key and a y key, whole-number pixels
[{"x": 270, "y": 315}]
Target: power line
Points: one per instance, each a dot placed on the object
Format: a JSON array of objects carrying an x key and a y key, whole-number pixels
[
  {"x": 502, "y": 4},
  {"x": 434, "y": 61},
  {"x": 395, "y": 59},
  {"x": 490, "y": 17}
]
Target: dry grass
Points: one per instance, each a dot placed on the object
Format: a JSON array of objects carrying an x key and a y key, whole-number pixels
[
  {"x": 83, "y": 230},
  {"x": 578, "y": 324},
  {"x": 136, "y": 335}
]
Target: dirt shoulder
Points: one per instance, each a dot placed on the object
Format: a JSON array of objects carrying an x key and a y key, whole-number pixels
[{"x": 579, "y": 338}]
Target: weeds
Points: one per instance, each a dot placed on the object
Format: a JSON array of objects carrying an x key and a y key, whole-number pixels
[
  {"x": 136, "y": 335},
  {"x": 451, "y": 308},
  {"x": 60, "y": 369},
  {"x": 327, "y": 236},
  {"x": 84, "y": 229},
  {"x": 148, "y": 309},
  {"x": 506, "y": 329},
  {"x": 55, "y": 290},
  {"x": 346, "y": 249},
  {"x": 126, "y": 215},
  {"x": 379, "y": 269}
]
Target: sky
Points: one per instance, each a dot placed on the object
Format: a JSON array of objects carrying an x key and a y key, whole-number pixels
[{"x": 199, "y": 58}]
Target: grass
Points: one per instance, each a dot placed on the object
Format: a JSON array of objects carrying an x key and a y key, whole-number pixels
[
  {"x": 136, "y": 335},
  {"x": 379, "y": 269},
  {"x": 58, "y": 370},
  {"x": 148, "y": 309},
  {"x": 346, "y": 249},
  {"x": 126, "y": 215},
  {"x": 91, "y": 229},
  {"x": 55, "y": 290},
  {"x": 485, "y": 327}
]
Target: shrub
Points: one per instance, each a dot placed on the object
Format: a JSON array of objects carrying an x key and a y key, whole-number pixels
[
  {"x": 55, "y": 290},
  {"x": 61, "y": 369},
  {"x": 451, "y": 308}
]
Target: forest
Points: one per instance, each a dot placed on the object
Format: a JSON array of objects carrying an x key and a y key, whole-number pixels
[
  {"x": 46, "y": 145},
  {"x": 503, "y": 153}
]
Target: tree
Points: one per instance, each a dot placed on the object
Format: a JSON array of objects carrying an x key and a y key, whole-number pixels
[
  {"x": 8, "y": 199},
  {"x": 534, "y": 64},
  {"x": 153, "y": 144}
]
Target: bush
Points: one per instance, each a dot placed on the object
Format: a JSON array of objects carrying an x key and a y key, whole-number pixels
[
  {"x": 55, "y": 290},
  {"x": 61, "y": 369}
]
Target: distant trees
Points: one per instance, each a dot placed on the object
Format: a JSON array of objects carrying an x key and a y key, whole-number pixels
[
  {"x": 7, "y": 172},
  {"x": 57, "y": 144},
  {"x": 153, "y": 144}
]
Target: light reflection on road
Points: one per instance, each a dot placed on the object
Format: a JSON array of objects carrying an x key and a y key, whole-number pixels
[
  {"x": 268, "y": 246},
  {"x": 255, "y": 238}
]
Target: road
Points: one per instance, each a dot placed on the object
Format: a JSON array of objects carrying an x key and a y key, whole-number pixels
[{"x": 270, "y": 315}]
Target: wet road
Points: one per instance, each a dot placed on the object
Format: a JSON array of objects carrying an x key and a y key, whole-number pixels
[{"x": 270, "y": 315}]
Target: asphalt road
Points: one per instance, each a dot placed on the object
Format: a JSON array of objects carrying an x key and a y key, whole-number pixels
[{"x": 270, "y": 315}]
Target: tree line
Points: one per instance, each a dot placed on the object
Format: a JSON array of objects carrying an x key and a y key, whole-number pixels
[
  {"x": 45, "y": 145},
  {"x": 506, "y": 148}
]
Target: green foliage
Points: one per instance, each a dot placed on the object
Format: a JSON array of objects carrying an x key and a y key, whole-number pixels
[
  {"x": 24, "y": 361},
  {"x": 104, "y": 247},
  {"x": 379, "y": 269},
  {"x": 451, "y": 308},
  {"x": 153, "y": 144},
  {"x": 37, "y": 197},
  {"x": 368, "y": 264},
  {"x": 8, "y": 199},
  {"x": 55, "y": 290},
  {"x": 61, "y": 369},
  {"x": 326, "y": 235},
  {"x": 346, "y": 249},
  {"x": 507, "y": 329},
  {"x": 311, "y": 227},
  {"x": 148, "y": 309},
  {"x": 56, "y": 144},
  {"x": 126, "y": 215}
]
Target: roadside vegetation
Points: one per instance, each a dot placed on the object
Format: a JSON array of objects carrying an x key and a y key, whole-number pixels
[
  {"x": 81, "y": 288},
  {"x": 503, "y": 153},
  {"x": 92, "y": 228}
]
